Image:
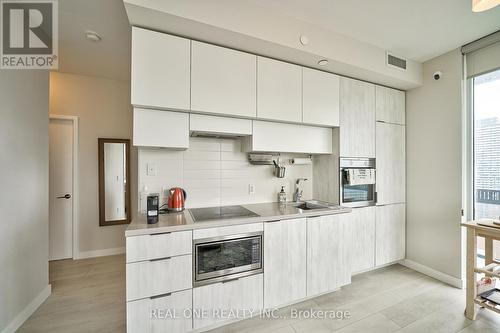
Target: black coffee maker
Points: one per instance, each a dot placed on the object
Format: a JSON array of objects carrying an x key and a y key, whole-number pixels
[{"x": 152, "y": 208}]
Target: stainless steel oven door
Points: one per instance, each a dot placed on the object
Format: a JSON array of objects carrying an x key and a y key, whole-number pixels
[{"x": 227, "y": 257}]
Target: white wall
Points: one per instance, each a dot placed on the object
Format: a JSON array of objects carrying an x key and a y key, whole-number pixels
[
  {"x": 104, "y": 111},
  {"x": 215, "y": 172},
  {"x": 434, "y": 171},
  {"x": 24, "y": 153}
]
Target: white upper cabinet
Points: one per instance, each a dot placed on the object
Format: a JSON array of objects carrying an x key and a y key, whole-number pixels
[
  {"x": 160, "y": 70},
  {"x": 278, "y": 137},
  {"x": 154, "y": 128},
  {"x": 357, "y": 118},
  {"x": 390, "y": 231},
  {"x": 279, "y": 90},
  {"x": 320, "y": 94},
  {"x": 223, "y": 81},
  {"x": 391, "y": 175},
  {"x": 390, "y": 105}
]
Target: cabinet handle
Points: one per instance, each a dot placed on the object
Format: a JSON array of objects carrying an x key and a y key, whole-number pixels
[
  {"x": 232, "y": 280},
  {"x": 161, "y": 233},
  {"x": 160, "y": 296},
  {"x": 274, "y": 221},
  {"x": 158, "y": 259}
]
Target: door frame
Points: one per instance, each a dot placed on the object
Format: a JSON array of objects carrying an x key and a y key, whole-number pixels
[{"x": 75, "y": 190}]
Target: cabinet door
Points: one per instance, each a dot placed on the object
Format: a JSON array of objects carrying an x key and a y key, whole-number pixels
[
  {"x": 390, "y": 105},
  {"x": 279, "y": 137},
  {"x": 279, "y": 90},
  {"x": 223, "y": 81},
  {"x": 390, "y": 164},
  {"x": 244, "y": 294},
  {"x": 390, "y": 230},
  {"x": 284, "y": 262},
  {"x": 360, "y": 224},
  {"x": 328, "y": 264},
  {"x": 357, "y": 118},
  {"x": 153, "y": 128},
  {"x": 160, "y": 74},
  {"x": 320, "y": 94},
  {"x": 160, "y": 314}
]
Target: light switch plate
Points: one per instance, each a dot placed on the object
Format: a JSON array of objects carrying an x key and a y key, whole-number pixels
[
  {"x": 151, "y": 169},
  {"x": 251, "y": 189}
]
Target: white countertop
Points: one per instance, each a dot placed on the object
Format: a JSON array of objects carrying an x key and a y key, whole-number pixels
[{"x": 271, "y": 211}]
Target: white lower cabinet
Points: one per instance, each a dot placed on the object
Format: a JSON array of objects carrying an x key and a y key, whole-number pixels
[
  {"x": 360, "y": 228},
  {"x": 165, "y": 313},
  {"x": 390, "y": 230},
  {"x": 158, "y": 276},
  {"x": 328, "y": 261},
  {"x": 219, "y": 302},
  {"x": 284, "y": 262}
]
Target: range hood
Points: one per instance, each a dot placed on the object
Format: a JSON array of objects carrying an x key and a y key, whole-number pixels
[{"x": 201, "y": 125}]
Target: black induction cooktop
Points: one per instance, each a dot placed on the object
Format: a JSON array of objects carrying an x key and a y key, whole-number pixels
[{"x": 220, "y": 213}]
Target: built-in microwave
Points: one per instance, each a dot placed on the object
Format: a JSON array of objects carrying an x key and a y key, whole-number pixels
[
  {"x": 357, "y": 182},
  {"x": 226, "y": 258}
]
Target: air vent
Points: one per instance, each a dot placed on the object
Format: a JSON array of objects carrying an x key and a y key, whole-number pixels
[{"x": 396, "y": 62}]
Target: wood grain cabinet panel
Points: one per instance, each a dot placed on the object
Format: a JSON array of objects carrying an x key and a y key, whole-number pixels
[
  {"x": 156, "y": 246},
  {"x": 160, "y": 75},
  {"x": 357, "y": 118},
  {"x": 244, "y": 294},
  {"x": 279, "y": 90},
  {"x": 153, "y": 278},
  {"x": 390, "y": 105},
  {"x": 320, "y": 97},
  {"x": 328, "y": 260},
  {"x": 223, "y": 81},
  {"x": 156, "y": 315},
  {"x": 360, "y": 225},
  {"x": 391, "y": 165},
  {"x": 390, "y": 230},
  {"x": 284, "y": 262}
]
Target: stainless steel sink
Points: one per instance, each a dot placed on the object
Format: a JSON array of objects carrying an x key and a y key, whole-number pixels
[{"x": 310, "y": 205}]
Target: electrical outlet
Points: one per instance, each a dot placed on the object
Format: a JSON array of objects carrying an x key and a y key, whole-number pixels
[
  {"x": 251, "y": 189},
  {"x": 151, "y": 169}
]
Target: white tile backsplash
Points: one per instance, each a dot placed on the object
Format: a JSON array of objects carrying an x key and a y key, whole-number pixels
[{"x": 215, "y": 172}]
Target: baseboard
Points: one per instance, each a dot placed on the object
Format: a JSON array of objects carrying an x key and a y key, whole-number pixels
[
  {"x": 28, "y": 310},
  {"x": 100, "y": 253},
  {"x": 448, "y": 279}
]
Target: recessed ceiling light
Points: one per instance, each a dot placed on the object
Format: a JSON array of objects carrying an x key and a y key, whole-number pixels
[
  {"x": 92, "y": 36},
  {"x": 482, "y": 5},
  {"x": 323, "y": 62}
]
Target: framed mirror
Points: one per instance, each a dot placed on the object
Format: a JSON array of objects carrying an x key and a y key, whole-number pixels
[{"x": 114, "y": 181}]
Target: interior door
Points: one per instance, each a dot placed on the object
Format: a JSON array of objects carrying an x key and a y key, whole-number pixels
[{"x": 60, "y": 189}]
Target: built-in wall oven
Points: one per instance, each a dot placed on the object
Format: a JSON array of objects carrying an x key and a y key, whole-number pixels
[
  {"x": 357, "y": 182},
  {"x": 227, "y": 257}
]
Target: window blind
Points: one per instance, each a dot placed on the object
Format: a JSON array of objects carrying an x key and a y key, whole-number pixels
[{"x": 483, "y": 55}]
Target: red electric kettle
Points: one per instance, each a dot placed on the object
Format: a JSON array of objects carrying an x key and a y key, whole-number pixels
[{"x": 176, "y": 199}]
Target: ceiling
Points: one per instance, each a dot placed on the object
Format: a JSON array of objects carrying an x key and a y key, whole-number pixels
[
  {"x": 109, "y": 58},
  {"x": 416, "y": 29}
]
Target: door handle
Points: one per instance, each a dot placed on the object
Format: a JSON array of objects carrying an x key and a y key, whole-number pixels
[{"x": 66, "y": 196}]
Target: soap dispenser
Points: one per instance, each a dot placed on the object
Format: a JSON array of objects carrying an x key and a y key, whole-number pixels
[{"x": 282, "y": 195}]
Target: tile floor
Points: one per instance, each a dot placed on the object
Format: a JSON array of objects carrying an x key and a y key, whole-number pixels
[{"x": 89, "y": 296}]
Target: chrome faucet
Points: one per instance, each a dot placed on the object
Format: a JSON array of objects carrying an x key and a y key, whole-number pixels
[{"x": 297, "y": 194}]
